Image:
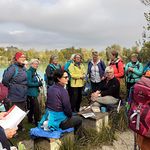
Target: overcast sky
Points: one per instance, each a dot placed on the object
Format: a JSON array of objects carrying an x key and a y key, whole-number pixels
[{"x": 48, "y": 24}]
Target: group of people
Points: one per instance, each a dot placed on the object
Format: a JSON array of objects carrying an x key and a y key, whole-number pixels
[{"x": 64, "y": 86}]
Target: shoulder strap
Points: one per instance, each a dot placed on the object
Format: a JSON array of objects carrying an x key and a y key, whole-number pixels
[
  {"x": 102, "y": 65},
  {"x": 52, "y": 66},
  {"x": 16, "y": 70}
]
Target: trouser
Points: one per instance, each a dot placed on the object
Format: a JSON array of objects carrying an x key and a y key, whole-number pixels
[
  {"x": 34, "y": 109},
  {"x": 21, "y": 105},
  {"x": 74, "y": 121},
  {"x": 69, "y": 89},
  {"x": 129, "y": 85},
  {"x": 95, "y": 86},
  {"x": 106, "y": 100},
  {"x": 76, "y": 98}
]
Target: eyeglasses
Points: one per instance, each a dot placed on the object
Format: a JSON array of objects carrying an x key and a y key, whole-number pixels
[{"x": 66, "y": 77}]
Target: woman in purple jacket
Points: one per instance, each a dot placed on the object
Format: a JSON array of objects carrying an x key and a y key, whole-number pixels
[{"x": 58, "y": 104}]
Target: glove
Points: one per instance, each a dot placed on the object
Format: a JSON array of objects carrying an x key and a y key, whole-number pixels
[{"x": 40, "y": 83}]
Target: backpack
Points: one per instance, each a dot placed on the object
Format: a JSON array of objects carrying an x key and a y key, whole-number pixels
[
  {"x": 16, "y": 70},
  {"x": 52, "y": 69},
  {"x": 3, "y": 92},
  {"x": 118, "y": 70},
  {"x": 139, "y": 112}
]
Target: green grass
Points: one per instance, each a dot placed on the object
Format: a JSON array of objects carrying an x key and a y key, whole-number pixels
[
  {"x": 87, "y": 138},
  {"x": 22, "y": 135}
]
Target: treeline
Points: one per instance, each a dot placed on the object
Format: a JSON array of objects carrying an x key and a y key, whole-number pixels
[{"x": 64, "y": 54}]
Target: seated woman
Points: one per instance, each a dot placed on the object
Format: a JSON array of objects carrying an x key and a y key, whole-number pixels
[
  {"x": 58, "y": 105},
  {"x": 109, "y": 92}
]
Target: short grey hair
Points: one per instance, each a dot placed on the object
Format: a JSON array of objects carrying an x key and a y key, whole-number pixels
[
  {"x": 33, "y": 61},
  {"x": 109, "y": 69}
]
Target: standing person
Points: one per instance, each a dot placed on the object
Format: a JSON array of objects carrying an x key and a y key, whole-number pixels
[
  {"x": 77, "y": 73},
  {"x": 96, "y": 69},
  {"x": 33, "y": 91},
  {"x": 58, "y": 105},
  {"x": 52, "y": 66},
  {"x": 117, "y": 65},
  {"x": 66, "y": 66},
  {"x": 15, "y": 79},
  {"x": 133, "y": 71}
]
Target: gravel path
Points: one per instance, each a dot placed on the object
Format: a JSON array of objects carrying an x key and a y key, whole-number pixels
[{"x": 125, "y": 141}]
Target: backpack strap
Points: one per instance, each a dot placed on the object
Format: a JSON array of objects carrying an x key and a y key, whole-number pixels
[{"x": 16, "y": 70}]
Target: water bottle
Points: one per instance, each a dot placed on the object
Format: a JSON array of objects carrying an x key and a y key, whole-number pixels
[{"x": 103, "y": 109}]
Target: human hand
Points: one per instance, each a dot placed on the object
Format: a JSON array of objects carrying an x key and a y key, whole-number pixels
[
  {"x": 103, "y": 78},
  {"x": 10, "y": 132},
  {"x": 2, "y": 115},
  {"x": 130, "y": 69},
  {"x": 95, "y": 95}
]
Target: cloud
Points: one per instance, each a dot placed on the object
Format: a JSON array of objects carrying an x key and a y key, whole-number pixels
[
  {"x": 63, "y": 23},
  {"x": 16, "y": 32}
]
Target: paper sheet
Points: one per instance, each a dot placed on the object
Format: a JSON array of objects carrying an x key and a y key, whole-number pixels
[{"x": 13, "y": 117}]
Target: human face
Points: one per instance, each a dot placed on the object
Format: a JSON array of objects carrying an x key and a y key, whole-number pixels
[
  {"x": 64, "y": 79},
  {"x": 95, "y": 58},
  {"x": 35, "y": 65},
  {"x": 55, "y": 60},
  {"x": 134, "y": 59},
  {"x": 112, "y": 57},
  {"x": 21, "y": 59},
  {"x": 109, "y": 74},
  {"x": 77, "y": 58}
]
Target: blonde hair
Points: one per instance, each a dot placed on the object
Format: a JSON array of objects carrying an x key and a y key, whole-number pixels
[
  {"x": 95, "y": 53},
  {"x": 52, "y": 58}
]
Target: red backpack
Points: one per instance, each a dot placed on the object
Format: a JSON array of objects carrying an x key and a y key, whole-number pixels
[
  {"x": 3, "y": 92},
  {"x": 139, "y": 113}
]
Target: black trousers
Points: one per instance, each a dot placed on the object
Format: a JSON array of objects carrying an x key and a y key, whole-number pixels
[
  {"x": 34, "y": 109},
  {"x": 95, "y": 86},
  {"x": 76, "y": 98},
  {"x": 74, "y": 121},
  {"x": 129, "y": 85}
]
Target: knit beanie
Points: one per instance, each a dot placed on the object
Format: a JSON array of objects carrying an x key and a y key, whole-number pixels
[{"x": 18, "y": 55}]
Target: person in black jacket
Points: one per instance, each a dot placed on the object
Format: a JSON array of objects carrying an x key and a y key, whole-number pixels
[
  {"x": 52, "y": 66},
  {"x": 109, "y": 91}
]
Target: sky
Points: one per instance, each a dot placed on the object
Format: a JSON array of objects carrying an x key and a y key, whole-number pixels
[{"x": 57, "y": 24}]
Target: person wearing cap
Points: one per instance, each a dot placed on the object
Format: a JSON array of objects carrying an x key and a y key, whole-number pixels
[
  {"x": 117, "y": 64},
  {"x": 96, "y": 69},
  {"x": 133, "y": 71},
  {"x": 34, "y": 82},
  {"x": 15, "y": 78}
]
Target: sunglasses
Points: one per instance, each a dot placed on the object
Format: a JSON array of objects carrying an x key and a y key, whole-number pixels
[{"x": 66, "y": 77}]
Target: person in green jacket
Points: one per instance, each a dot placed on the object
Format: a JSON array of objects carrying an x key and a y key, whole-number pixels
[
  {"x": 133, "y": 71},
  {"x": 34, "y": 82}
]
